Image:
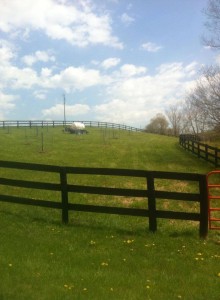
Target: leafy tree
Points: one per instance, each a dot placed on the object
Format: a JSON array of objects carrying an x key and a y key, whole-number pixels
[{"x": 158, "y": 124}]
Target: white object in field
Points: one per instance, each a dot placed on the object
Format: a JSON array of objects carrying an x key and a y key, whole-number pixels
[{"x": 77, "y": 126}]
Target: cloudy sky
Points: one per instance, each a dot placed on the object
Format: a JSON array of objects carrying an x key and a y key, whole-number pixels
[{"x": 117, "y": 61}]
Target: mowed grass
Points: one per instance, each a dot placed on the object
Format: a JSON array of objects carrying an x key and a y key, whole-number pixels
[{"x": 100, "y": 256}]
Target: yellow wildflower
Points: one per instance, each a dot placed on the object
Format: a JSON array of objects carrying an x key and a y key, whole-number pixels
[{"x": 129, "y": 241}]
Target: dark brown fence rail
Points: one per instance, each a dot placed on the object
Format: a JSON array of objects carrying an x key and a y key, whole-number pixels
[
  {"x": 204, "y": 151},
  {"x": 40, "y": 123},
  {"x": 150, "y": 193}
]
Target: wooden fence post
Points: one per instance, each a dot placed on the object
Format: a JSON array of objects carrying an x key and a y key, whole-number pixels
[
  {"x": 64, "y": 194},
  {"x": 198, "y": 150},
  {"x": 206, "y": 152},
  {"x": 193, "y": 147},
  {"x": 151, "y": 203},
  {"x": 203, "y": 225}
]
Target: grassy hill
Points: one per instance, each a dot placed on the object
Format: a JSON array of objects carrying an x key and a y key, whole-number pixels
[
  {"x": 102, "y": 256},
  {"x": 99, "y": 148}
]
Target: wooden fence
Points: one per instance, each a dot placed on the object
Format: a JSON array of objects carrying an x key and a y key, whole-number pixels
[
  {"x": 40, "y": 123},
  {"x": 150, "y": 193},
  {"x": 204, "y": 151}
]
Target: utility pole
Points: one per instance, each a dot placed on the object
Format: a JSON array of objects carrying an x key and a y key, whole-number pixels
[{"x": 64, "y": 108}]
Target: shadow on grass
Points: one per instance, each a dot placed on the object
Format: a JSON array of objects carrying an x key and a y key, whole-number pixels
[
  {"x": 24, "y": 217},
  {"x": 182, "y": 233},
  {"x": 113, "y": 224}
]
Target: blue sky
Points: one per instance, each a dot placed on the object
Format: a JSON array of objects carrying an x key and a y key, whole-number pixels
[{"x": 115, "y": 60}]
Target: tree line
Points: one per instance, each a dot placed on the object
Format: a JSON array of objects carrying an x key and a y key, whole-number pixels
[{"x": 199, "y": 111}]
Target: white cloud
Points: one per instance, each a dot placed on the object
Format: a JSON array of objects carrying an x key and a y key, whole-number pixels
[
  {"x": 78, "y": 78},
  {"x": 126, "y": 19},
  {"x": 207, "y": 47},
  {"x": 6, "y": 104},
  {"x": 110, "y": 62},
  {"x": 191, "y": 69},
  {"x": 70, "y": 110},
  {"x": 16, "y": 78},
  {"x": 131, "y": 95},
  {"x": 6, "y": 52},
  {"x": 43, "y": 56},
  {"x": 68, "y": 79},
  {"x": 77, "y": 23},
  {"x": 46, "y": 72},
  {"x": 129, "y": 70},
  {"x": 134, "y": 100},
  {"x": 135, "y": 97},
  {"x": 150, "y": 47},
  {"x": 124, "y": 112},
  {"x": 40, "y": 94},
  {"x": 11, "y": 75}
]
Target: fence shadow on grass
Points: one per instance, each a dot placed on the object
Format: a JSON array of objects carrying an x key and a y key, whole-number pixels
[{"x": 182, "y": 233}]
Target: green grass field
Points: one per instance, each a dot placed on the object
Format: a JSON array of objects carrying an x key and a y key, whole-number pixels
[{"x": 100, "y": 256}]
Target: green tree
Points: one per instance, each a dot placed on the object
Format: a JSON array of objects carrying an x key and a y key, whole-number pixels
[{"x": 158, "y": 124}]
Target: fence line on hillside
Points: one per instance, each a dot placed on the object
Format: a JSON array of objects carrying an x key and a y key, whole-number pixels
[
  {"x": 150, "y": 193},
  {"x": 204, "y": 151},
  {"x": 41, "y": 123}
]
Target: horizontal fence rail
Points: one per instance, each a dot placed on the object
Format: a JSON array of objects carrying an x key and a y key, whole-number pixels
[
  {"x": 204, "y": 151},
  {"x": 40, "y": 123},
  {"x": 149, "y": 193}
]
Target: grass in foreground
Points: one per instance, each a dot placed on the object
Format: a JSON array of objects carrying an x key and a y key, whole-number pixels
[{"x": 102, "y": 256}]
